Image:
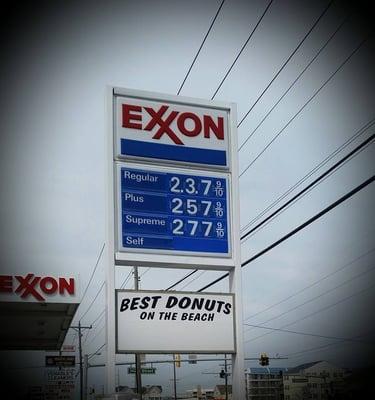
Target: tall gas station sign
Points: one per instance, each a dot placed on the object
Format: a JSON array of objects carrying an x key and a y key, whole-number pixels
[{"x": 172, "y": 198}]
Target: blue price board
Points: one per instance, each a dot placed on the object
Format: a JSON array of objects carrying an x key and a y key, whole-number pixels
[{"x": 173, "y": 211}]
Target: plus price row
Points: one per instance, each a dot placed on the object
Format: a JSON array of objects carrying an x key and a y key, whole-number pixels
[{"x": 169, "y": 204}]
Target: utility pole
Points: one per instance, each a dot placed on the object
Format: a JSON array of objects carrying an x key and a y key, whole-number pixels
[
  {"x": 226, "y": 377},
  {"x": 79, "y": 329},
  {"x": 85, "y": 392},
  {"x": 138, "y": 372},
  {"x": 174, "y": 378}
]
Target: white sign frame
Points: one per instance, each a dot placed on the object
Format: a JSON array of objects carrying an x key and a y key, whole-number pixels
[
  {"x": 147, "y": 330},
  {"x": 168, "y": 259}
]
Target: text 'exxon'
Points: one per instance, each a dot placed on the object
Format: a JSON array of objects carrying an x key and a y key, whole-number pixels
[
  {"x": 36, "y": 286},
  {"x": 188, "y": 124}
]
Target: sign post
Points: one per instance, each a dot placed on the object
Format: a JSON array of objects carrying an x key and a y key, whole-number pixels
[{"x": 173, "y": 202}]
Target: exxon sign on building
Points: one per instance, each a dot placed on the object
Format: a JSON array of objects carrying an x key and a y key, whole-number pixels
[{"x": 171, "y": 133}]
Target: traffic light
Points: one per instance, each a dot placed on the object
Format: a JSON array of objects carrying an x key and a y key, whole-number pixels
[
  {"x": 177, "y": 360},
  {"x": 222, "y": 374},
  {"x": 264, "y": 360}
]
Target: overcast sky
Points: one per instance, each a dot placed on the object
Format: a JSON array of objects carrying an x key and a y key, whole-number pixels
[{"x": 58, "y": 59}]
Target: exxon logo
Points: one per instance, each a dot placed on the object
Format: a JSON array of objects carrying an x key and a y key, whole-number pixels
[
  {"x": 36, "y": 286},
  {"x": 163, "y": 119}
]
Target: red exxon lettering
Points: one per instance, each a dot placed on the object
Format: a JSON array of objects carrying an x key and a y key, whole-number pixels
[
  {"x": 36, "y": 286},
  {"x": 188, "y": 123}
]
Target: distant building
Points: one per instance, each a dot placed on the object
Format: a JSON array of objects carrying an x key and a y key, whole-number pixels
[
  {"x": 265, "y": 383},
  {"x": 220, "y": 392},
  {"x": 317, "y": 380},
  {"x": 152, "y": 393},
  {"x": 148, "y": 392},
  {"x": 201, "y": 394}
]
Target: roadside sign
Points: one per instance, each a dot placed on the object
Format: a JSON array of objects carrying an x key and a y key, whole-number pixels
[
  {"x": 172, "y": 211},
  {"x": 60, "y": 361},
  {"x": 174, "y": 322},
  {"x": 144, "y": 370},
  {"x": 68, "y": 348},
  {"x": 60, "y": 384},
  {"x": 173, "y": 202}
]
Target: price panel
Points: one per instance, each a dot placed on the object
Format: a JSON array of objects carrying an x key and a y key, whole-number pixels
[{"x": 177, "y": 212}]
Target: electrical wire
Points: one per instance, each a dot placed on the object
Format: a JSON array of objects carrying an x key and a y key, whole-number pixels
[
  {"x": 194, "y": 279},
  {"x": 318, "y": 296},
  {"x": 305, "y": 105},
  {"x": 144, "y": 272},
  {"x": 98, "y": 317},
  {"x": 352, "y": 262},
  {"x": 287, "y": 60},
  {"x": 200, "y": 48},
  {"x": 313, "y": 219},
  {"x": 242, "y": 48},
  {"x": 93, "y": 273},
  {"x": 93, "y": 301},
  {"x": 96, "y": 351},
  {"x": 305, "y": 194},
  {"x": 97, "y": 334},
  {"x": 334, "y": 168},
  {"x": 315, "y": 312},
  {"x": 297, "y": 229},
  {"x": 325, "y": 346},
  {"x": 292, "y": 84},
  {"x": 126, "y": 280},
  {"x": 356, "y": 135},
  {"x": 306, "y": 334},
  {"x": 181, "y": 280}
]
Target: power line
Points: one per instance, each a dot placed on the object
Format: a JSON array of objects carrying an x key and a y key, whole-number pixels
[
  {"x": 200, "y": 48},
  {"x": 93, "y": 272},
  {"x": 335, "y": 167},
  {"x": 98, "y": 317},
  {"x": 144, "y": 272},
  {"x": 325, "y": 346},
  {"x": 96, "y": 351},
  {"x": 297, "y": 229},
  {"x": 312, "y": 171},
  {"x": 182, "y": 279},
  {"x": 318, "y": 296},
  {"x": 92, "y": 302},
  {"x": 96, "y": 335},
  {"x": 194, "y": 279},
  {"x": 314, "y": 218},
  {"x": 304, "y": 106},
  {"x": 312, "y": 284},
  {"x": 126, "y": 280},
  {"x": 292, "y": 84},
  {"x": 306, "y": 334},
  {"x": 306, "y": 193},
  {"x": 242, "y": 49},
  {"x": 287, "y": 60},
  {"x": 315, "y": 312}
]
